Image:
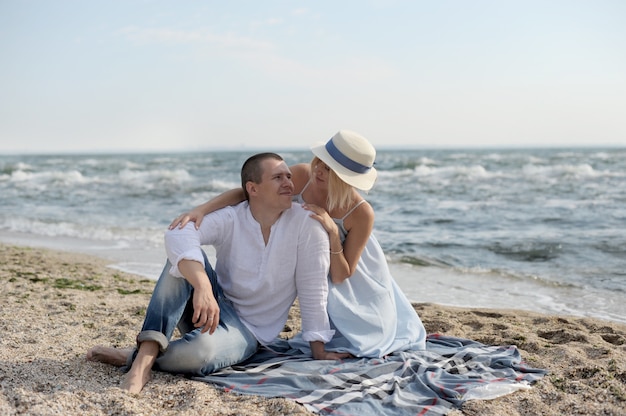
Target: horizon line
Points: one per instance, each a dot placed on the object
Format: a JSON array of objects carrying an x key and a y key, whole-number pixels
[{"x": 302, "y": 149}]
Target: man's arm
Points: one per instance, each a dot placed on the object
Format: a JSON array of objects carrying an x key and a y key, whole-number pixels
[
  {"x": 312, "y": 286},
  {"x": 184, "y": 251}
]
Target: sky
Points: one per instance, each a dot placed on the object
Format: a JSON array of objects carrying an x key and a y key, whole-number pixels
[{"x": 143, "y": 75}]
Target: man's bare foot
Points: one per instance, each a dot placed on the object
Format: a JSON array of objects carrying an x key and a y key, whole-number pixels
[
  {"x": 136, "y": 379},
  {"x": 109, "y": 355},
  {"x": 141, "y": 370}
]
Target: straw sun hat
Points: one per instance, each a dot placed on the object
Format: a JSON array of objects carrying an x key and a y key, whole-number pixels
[{"x": 351, "y": 157}]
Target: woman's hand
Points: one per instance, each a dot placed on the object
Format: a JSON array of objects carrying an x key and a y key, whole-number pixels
[
  {"x": 195, "y": 215},
  {"x": 320, "y": 214}
]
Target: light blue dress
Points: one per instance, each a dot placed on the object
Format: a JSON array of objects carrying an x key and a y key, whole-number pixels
[{"x": 369, "y": 312}]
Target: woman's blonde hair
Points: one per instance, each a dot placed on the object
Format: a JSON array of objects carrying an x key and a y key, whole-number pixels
[{"x": 340, "y": 194}]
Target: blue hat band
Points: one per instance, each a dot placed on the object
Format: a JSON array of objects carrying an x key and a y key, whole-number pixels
[{"x": 344, "y": 160}]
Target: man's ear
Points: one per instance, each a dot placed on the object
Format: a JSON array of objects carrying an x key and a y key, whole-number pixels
[{"x": 251, "y": 188}]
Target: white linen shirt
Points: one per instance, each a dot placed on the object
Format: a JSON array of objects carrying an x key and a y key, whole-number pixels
[{"x": 262, "y": 281}]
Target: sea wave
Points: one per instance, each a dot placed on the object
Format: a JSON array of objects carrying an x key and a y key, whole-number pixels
[
  {"x": 28, "y": 178},
  {"x": 552, "y": 215},
  {"x": 84, "y": 231}
]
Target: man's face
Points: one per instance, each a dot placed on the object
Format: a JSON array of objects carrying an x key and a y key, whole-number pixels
[{"x": 276, "y": 187}]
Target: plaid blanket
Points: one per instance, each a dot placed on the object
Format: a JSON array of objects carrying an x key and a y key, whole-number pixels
[{"x": 429, "y": 382}]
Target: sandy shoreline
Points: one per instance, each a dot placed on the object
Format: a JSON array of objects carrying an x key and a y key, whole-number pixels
[{"x": 56, "y": 305}]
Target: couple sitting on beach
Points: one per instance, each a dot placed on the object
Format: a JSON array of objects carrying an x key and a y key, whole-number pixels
[{"x": 270, "y": 250}]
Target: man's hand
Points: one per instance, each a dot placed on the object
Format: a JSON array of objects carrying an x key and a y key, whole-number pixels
[
  {"x": 329, "y": 355},
  {"x": 319, "y": 353},
  {"x": 206, "y": 312}
]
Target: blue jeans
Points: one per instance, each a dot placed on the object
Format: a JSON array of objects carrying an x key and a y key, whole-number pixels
[{"x": 195, "y": 353}]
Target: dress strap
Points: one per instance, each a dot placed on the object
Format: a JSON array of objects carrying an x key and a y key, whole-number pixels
[
  {"x": 352, "y": 209},
  {"x": 305, "y": 186},
  {"x": 298, "y": 198}
]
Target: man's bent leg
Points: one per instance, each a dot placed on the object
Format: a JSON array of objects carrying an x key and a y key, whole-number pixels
[
  {"x": 166, "y": 307},
  {"x": 167, "y": 304},
  {"x": 196, "y": 353},
  {"x": 200, "y": 354}
]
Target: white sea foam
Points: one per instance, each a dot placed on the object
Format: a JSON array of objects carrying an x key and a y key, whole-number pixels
[
  {"x": 62, "y": 178},
  {"x": 481, "y": 289}
]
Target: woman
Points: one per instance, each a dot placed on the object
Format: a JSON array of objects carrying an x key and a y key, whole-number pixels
[{"x": 366, "y": 307}]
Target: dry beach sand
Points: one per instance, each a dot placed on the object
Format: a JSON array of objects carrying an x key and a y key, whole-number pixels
[{"x": 56, "y": 305}]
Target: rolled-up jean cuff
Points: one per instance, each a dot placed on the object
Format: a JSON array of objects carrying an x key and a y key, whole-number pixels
[{"x": 154, "y": 336}]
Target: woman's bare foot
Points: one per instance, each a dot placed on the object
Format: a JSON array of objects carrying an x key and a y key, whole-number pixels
[{"x": 109, "y": 355}]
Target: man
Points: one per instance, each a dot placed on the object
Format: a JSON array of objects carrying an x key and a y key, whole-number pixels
[{"x": 268, "y": 252}]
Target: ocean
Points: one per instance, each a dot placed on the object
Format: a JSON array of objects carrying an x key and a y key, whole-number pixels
[{"x": 533, "y": 229}]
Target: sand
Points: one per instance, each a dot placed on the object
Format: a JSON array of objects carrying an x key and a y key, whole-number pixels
[{"x": 56, "y": 305}]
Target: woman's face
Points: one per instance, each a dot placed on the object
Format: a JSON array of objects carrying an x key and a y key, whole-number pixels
[{"x": 321, "y": 173}]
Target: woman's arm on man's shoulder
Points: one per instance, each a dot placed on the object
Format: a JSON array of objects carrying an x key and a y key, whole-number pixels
[{"x": 225, "y": 199}]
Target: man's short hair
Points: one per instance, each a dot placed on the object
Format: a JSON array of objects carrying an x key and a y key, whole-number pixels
[{"x": 252, "y": 171}]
